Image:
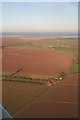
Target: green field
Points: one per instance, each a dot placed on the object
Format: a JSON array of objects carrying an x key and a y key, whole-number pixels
[
  {"x": 75, "y": 68},
  {"x": 70, "y": 52},
  {"x": 46, "y": 43}
]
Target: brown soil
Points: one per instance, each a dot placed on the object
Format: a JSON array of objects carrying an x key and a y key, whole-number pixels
[
  {"x": 18, "y": 94},
  {"x": 49, "y": 110},
  {"x": 35, "y": 61},
  {"x": 60, "y": 101},
  {"x": 6, "y": 41}
]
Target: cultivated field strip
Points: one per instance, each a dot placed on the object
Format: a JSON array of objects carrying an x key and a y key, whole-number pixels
[{"x": 64, "y": 102}]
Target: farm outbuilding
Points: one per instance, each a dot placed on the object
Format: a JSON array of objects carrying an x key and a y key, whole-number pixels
[{"x": 49, "y": 83}]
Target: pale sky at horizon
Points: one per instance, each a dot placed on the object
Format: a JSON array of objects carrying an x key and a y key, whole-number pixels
[{"x": 40, "y": 17}]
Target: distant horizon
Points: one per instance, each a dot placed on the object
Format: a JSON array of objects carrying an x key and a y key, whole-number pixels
[
  {"x": 40, "y": 34},
  {"x": 40, "y": 17}
]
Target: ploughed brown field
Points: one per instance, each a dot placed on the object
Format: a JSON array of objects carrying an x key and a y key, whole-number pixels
[
  {"x": 60, "y": 101},
  {"x": 44, "y": 62},
  {"x": 28, "y": 100},
  {"x": 16, "y": 95}
]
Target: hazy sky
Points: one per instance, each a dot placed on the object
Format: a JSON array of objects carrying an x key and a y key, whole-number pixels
[{"x": 40, "y": 17}]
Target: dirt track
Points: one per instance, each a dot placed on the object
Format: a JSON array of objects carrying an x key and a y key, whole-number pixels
[
  {"x": 60, "y": 101},
  {"x": 16, "y": 95}
]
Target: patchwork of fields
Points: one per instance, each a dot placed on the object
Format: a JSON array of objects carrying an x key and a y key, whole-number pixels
[{"x": 40, "y": 58}]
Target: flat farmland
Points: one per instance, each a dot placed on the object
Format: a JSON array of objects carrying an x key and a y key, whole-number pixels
[
  {"x": 44, "y": 62},
  {"x": 40, "y": 58},
  {"x": 16, "y": 95},
  {"x": 60, "y": 101},
  {"x": 49, "y": 110}
]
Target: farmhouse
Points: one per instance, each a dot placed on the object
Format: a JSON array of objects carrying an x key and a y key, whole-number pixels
[
  {"x": 49, "y": 83},
  {"x": 61, "y": 78}
]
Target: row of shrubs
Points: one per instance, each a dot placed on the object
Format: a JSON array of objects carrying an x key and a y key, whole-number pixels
[
  {"x": 22, "y": 77},
  {"x": 30, "y": 79},
  {"x": 38, "y": 82}
]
